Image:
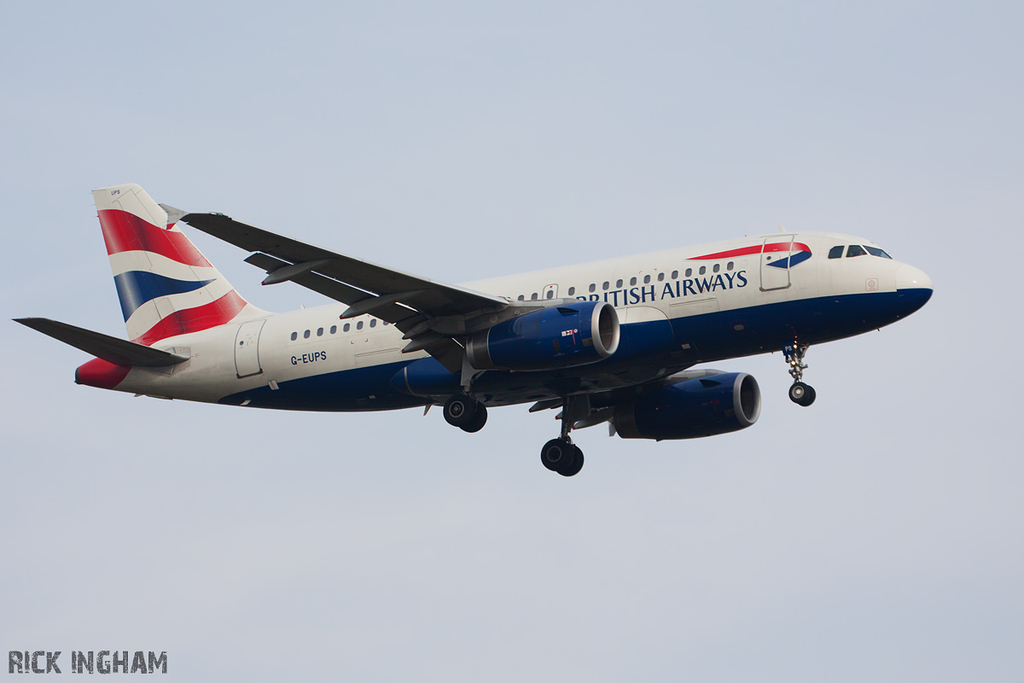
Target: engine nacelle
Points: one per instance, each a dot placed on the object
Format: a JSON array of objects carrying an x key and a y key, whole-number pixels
[
  {"x": 692, "y": 408},
  {"x": 557, "y": 337}
]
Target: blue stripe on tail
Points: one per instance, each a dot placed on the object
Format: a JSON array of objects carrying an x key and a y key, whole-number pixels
[{"x": 136, "y": 287}]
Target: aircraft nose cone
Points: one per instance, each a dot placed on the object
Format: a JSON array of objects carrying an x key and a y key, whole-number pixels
[
  {"x": 909, "y": 277},
  {"x": 913, "y": 287}
]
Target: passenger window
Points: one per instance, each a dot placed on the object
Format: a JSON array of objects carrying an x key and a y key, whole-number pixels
[
  {"x": 550, "y": 294},
  {"x": 728, "y": 266},
  {"x": 675, "y": 274},
  {"x": 703, "y": 269},
  {"x": 632, "y": 281},
  {"x": 295, "y": 335},
  {"x": 346, "y": 328},
  {"x": 359, "y": 325},
  {"x": 606, "y": 285},
  {"x": 320, "y": 332},
  {"x": 533, "y": 297},
  {"x": 836, "y": 252},
  {"x": 572, "y": 290},
  {"x": 521, "y": 298},
  {"x": 875, "y": 251},
  {"x": 334, "y": 328},
  {"x": 855, "y": 250},
  {"x": 305, "y": 335},
  {"x": 593, "y": 287},
  {"x": 373, "y": 322},
  {"x": 715, "y": 269},
  {"x": 618, "y": 284},
  {"x": 647, "y": 279},
  {"x": 689, "y": 272},
  {"x": 661, "y": 277}
]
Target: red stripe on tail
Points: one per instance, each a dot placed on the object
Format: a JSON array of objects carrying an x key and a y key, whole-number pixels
[
  {"x": 123, "y": 231},
  {"x": 215, "y": 313}
]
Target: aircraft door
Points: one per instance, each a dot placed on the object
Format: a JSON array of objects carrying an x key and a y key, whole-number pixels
[
  {"x": 550, "y": 292},
  {"x": 775, "y": 262},
  {"x": 247, "y": 344}
]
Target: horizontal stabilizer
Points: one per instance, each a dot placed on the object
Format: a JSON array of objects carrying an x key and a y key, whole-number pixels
[{"x": 110, "y": 349}]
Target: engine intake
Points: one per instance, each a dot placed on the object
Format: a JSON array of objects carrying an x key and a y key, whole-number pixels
[
  {"x": 557, "y": 337},
  {"x": 691, "y": 408}
]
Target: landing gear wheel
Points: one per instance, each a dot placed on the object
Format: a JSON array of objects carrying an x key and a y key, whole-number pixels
[
  {"x": 802, "y": 394},
  {"x": 460, "y": 409},
  {"x": 560, "y": 455},
  {"x": 573, "y": 468},
  {"x": 557, "y": 454},
  {"x": 799, "y": 393},
  {"x": 478, "y": 421}
]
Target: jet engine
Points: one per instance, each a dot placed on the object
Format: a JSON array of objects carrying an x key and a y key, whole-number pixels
[
  {"x": 691, "y": 408},
  {"x": 558, "y": 337}
]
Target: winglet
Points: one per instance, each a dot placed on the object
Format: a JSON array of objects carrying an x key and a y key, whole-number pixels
[{"x": 173, "y": 215}]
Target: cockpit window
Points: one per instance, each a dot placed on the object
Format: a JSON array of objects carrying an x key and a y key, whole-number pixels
[
  {"x": 875, "y": 251},
  {"x": 836, "y": 252},
  {"x": 855, "y": 250}
]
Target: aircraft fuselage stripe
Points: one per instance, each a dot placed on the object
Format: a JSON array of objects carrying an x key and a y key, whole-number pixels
[{"x": 771, "y": 247}]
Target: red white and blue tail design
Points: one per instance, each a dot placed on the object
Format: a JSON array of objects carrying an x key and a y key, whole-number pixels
[{"x": 165, "y": 285}]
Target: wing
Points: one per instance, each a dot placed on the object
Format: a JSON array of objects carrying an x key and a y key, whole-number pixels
[{"x": 431, "y": 314}]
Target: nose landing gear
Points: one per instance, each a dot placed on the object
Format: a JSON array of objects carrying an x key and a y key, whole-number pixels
[
  {"x": 802, "y": 394},
  {"x": 799, "y": 393}
]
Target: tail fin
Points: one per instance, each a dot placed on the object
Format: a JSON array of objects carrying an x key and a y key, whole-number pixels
[{"x": 165, "y": 285}]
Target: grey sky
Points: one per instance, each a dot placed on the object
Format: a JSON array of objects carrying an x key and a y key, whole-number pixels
[{"x": 876, "y": 535}]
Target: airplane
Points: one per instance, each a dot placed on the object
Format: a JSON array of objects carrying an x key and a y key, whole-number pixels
[{"x": 613, "y": 341}]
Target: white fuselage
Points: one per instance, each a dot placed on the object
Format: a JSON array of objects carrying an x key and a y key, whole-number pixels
[{"x": 730, "y": 295}]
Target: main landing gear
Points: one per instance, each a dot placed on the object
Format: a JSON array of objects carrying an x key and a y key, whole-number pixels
[
  {"x": 465, "y": 412},
  {"x": 558, "y": 455},
  {"x": 799, "y": 393},
  {"x": 562, "y": 455}
]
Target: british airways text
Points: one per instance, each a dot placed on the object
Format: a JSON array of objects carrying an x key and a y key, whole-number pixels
[{"x": 671, "y": 290}]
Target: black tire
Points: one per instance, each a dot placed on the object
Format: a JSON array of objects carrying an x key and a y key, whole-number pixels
[
  {"x": 479, "y": 420},
  {"x": 797, "y": 392},
  {"x": 573, "y": 468},
  {"x": 802, "y": 394},
  {"x": 556, "y": 453},
  {"x": 460, "y": 410}
]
